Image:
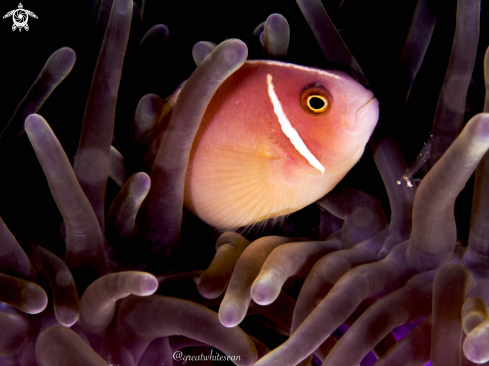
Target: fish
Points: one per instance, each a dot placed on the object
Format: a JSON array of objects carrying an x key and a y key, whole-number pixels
[{"x": 275, "y": 138}]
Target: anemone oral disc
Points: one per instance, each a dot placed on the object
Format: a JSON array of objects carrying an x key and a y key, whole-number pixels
[{"x": 290, "y": 131}]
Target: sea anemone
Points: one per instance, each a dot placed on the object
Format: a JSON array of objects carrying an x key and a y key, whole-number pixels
[{"x": 97, "y": 270}]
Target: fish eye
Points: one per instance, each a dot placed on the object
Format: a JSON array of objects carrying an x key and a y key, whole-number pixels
[{"x": 315, "y": 101}]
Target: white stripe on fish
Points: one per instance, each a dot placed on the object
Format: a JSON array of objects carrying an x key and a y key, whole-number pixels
[{"x": 289, "y": 131}]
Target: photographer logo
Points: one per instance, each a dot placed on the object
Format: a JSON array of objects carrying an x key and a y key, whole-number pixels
[{"x": 20, "y": 17}]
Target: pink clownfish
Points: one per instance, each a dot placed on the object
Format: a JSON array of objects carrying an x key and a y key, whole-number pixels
[{"x": 275, "y": 138}]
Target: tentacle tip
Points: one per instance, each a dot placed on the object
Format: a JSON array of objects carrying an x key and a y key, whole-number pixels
[
  {"x": 209, "y": 294},
  {"x": 148, "y": 284},
  {"x": 236, "y": 51},
  {"x": 258, "y": 30},
  {"x": 229, "y": 317},
  {"x": 206, "y": 290},
  {"x": 276, "y": 20},
  {"x": 200, "y": 44},
  {"x": 163, "y": 29},
  {"x": 143, "y": 181},
  {"x": 67, "y": 55},
  {"x": 262, "y": 294},
  {"x": 475, "y": 352},
  {"x": 37, "y": 302},
  {"x": 67, "y": 316},
  {"x": 480, "y": 126},
  {"x": 33, "y": 123}
]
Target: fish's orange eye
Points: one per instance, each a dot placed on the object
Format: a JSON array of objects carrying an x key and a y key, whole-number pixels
[{"x": 315, "y": 101}]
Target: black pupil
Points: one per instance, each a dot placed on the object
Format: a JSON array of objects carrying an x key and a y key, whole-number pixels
[{"x": 316, "y": 103}]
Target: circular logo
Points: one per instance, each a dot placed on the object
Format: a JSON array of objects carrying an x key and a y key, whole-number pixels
[{"x": 20, "y": 17}]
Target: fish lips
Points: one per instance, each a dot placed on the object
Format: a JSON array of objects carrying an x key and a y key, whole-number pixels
[{"x": 364, "y": 115}]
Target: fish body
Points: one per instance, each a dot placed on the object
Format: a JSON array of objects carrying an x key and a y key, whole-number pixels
[{"x": 275, "y": 138}]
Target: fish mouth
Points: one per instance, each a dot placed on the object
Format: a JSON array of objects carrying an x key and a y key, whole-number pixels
[
  {"x": 366, "y": 104},
  {"x": 362, "y": 112},
  {"x": 368, "y": 114}
]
